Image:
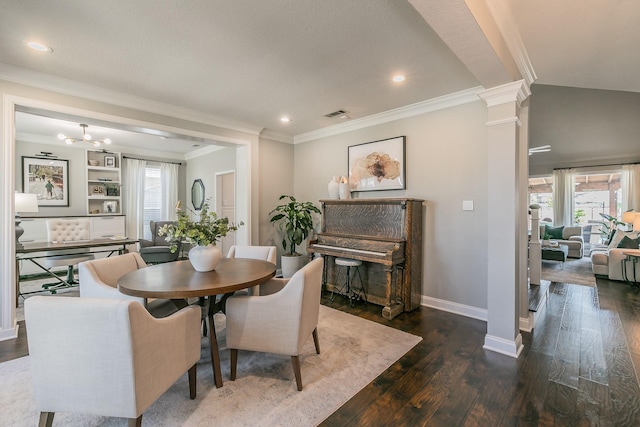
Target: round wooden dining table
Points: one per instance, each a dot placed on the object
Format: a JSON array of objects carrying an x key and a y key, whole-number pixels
[{"x": 179, "y": 281}]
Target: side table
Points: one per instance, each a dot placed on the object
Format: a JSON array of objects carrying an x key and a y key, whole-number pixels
[{"x": 631, "y": 259}]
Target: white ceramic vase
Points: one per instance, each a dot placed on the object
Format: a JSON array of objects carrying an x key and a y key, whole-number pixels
[
  {"x": 204, "y": 258},
  {"x": 334, "y": 188},
  {"x": 344, "y": 191}
]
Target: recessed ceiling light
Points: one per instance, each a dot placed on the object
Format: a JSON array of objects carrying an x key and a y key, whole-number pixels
[
  {"x": 40, "y": 47},
  {"x": 285, "y": 119},
  {"x": 398, "y": 78}
]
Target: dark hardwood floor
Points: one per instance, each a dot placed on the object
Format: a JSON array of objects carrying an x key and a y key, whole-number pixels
[{"x": 578, "y": 367}]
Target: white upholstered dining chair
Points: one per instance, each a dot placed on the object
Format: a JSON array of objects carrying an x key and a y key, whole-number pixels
[
  {"x": 280, "y": 322},
  {"x": 66, "y": 230},
  {"x": 99, "y": 279},
  {"x": 115, "y": 358},
  {"x": 265, "y": 253}
]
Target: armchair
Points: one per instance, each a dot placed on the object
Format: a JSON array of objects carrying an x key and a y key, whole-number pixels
[
  {"x": 157, "y": 250},
  {"x": 99, "y": 279},
  {"x": 278, "y": 323},
  {"x": 118, "y": 372}
]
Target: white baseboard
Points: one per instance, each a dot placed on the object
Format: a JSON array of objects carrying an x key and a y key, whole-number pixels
[
  {"x": 506, "y": 347},
  {"x": 9, "y": 334},
  {"x": 527, "y": 323},
  {"x": 454, "y": 307}
]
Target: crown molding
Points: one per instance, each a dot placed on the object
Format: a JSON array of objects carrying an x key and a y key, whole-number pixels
[
  {"x": 511, "y": 35},
  {"x": 275, "y": 136},
  {"x": 82, "y": 90},
  {"x": 202, "y": 151},
  {"x": 439, "y": 103},
  {"x": 510, "y": 92}
]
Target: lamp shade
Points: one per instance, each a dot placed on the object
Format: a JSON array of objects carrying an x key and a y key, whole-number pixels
[
  {"x": 636, "y": 222},
  {"x": 628, "y": 217},
  {"x": 26, "y": 202}
]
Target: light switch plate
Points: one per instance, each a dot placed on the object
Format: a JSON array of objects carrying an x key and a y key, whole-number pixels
[{"x": 467, "y": 205}]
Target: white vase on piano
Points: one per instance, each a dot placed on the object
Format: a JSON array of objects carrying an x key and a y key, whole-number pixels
[
  {"x": 344, "y": 191},
  {"x": 334, "y": 188}
]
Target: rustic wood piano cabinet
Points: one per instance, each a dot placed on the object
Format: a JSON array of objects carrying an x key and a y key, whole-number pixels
[{"x": 384, "y": 233}]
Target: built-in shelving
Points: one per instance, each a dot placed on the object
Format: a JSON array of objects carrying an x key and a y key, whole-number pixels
[{"x": 104, "y": 183}]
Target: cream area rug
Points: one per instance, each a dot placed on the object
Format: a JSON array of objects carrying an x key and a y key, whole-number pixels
[
  {"x": 573, "y": 271},
  {"x": 354, "y": 352}
]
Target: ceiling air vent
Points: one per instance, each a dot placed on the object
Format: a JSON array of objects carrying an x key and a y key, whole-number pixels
[{"x": 338, "y": 113}]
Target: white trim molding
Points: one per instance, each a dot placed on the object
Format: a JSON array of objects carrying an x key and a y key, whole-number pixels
[
  {"x": 503, "y": 18},
  {"x": 527, "y": 323},
  {"x": 455, "y": 308},
  {"x": 515, "y": 91},
  {"x": 500, "y": 345},
  {"x": 275, "y": 136},
  {"x": 82, "y": 90},
  {"x": 439, "y": 103}
]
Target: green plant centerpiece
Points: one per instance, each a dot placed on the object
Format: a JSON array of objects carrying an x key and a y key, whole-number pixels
[
  {"x": 203, "y": 232},
  {"x": 295, "y": 221}
]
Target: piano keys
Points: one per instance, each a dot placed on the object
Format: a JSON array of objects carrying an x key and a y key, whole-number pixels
[{"x": 386, "y": 234}]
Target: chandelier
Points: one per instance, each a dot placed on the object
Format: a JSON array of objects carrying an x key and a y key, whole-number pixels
[{"x": 85, "y": 138}]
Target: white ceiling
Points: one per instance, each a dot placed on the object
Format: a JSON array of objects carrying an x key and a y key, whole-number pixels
[{"x": 254, "y": 61}]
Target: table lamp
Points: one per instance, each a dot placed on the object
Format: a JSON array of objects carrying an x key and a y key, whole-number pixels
[
  {"x": 628, "y": 218},
  {"x": 25, "y": 202},
  {"x": 636, "y": 222}
]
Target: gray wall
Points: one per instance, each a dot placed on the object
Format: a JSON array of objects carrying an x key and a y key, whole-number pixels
[
  {"x": 205, "y": 168},
  {"x": 585, "y": 127},
  {"x": 446, "y": 154}
]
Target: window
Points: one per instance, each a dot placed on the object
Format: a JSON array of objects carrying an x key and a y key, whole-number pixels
[
  {"x": 541, "y": 192},
  {"x": 152, "y": 198}
]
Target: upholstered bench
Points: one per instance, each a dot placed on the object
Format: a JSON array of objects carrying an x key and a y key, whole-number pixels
[{"x": 555, "y": 253}]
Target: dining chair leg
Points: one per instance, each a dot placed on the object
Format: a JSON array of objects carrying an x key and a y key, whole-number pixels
[
  {"x": 215, "y": 355},
  {"x": 295, "y": 361},
  {"x": 233, "y": 363},
  {"x": 192, "y": 381},
  {"x": 46, "y": 419},
  {"x": 316, "y": 341}
]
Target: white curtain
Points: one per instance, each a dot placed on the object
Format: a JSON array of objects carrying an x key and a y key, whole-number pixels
[
  {"x": 563, "y": 197},
  {"x": 630, "y": 183},
  {"x": 133, "y": 193},
  {"x": 169, "y": 180}
]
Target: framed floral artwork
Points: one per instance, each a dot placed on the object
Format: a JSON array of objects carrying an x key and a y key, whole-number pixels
[{"x": 377, "y": 165}]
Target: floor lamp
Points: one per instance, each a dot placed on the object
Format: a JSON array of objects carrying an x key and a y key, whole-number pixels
[{"x": 25, "y": 203}]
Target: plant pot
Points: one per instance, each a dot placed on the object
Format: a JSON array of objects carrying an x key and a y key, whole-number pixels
[
  {"x": 291, "y": 264},
  {"x": 204, "y": 258}
]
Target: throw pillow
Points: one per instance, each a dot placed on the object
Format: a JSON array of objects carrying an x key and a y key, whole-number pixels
[
  {"x": 618, "y": 236},
  {"x": 628, "y": 243},
  {"x": 555, "y": 232}
]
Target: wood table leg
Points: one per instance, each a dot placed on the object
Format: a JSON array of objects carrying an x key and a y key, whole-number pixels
[{"x": 215, "y": 355}]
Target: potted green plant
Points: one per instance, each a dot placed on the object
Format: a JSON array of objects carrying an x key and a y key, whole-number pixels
[
  {"x": 296, "y": 222},
  {"x": 545, "y": 239},
  {"x": 203, "y": 233}
]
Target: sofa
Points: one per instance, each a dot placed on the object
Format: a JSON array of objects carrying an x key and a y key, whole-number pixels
[
  {"x": 609, "y": 260},
  {"x": 569, "y": 236}
]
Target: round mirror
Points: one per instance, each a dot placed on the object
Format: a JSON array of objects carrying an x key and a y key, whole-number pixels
[{"x": 197, "y": 194}]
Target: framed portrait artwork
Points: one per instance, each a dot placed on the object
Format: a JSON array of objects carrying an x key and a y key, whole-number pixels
[
  {"x": 110, "y": 206},
  {"x": 110, "y": 161},
  {"x": 377, "y": 165},
  {"x": 48, "y": 179}
]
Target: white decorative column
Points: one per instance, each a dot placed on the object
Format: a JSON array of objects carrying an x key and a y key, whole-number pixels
[
  {"x": 504, "y": 201},
  {"x": 535, "y": 253}
]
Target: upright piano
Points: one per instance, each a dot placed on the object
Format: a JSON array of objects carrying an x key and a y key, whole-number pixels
[{"x": 386, "y": 234}]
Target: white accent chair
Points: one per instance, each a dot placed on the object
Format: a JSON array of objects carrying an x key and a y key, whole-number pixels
[
  {"x": 99, "y": 279},
  {"x": 118, "y": 372},
  {"x": 278, "y": 323},
  {"x": 265, "y": 253},
  {"x": 66, "y": 230}
]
